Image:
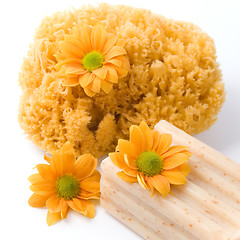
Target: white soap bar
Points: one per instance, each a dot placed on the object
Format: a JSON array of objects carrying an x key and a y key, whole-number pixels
[{"x": 206, "y": 207}]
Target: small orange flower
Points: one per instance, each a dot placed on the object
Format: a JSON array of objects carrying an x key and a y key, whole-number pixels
[
  {"x": 65, "y": 182},
  {"x": 92, "y": 58},
  {"x": 149, "y": 159}
]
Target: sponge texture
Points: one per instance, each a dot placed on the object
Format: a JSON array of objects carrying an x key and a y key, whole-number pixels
[{"x": 174, "y": 76}]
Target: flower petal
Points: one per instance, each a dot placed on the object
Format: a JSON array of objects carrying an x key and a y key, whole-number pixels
[
  {"x": 96, "y": 85},
  {"x": 137, "y": 138},
  {"x": 98, "y": 37},
  {"x": 129, "y": 171},
  {"x": 89, "y": 195},
  {"x": 152, "y": 190},
  {"x": 59, "y": 65},
  {"x": 47, "y": 158},
  {"x": 83, "y": 34},
  {"x": 121, "y": 72},
  {"x": 63, "y": 161},
  {"x": 75, "y": 69},
  {"x": 106, "y": 86},
  {"x": 53, "y": 217},
  {"x": 130, "y": 162},
  {"x": 110, "y": 42},
  {"x": 147, "y": 134},
  {"x": 89, "y": 92},
  {"x": 164, "y": 143},
  {"x": 126, "y": 178},
  {"x": 63, "y": 208},
  {"x": 41, "y": 186},
  {"x": 188, "y": 153},
  {"x": 74, "y": 45},
  {"x": 160, "y": 183},
  {"x": 117, "y": 159},
  {"x": 120, "y": 62},
  {"x": 112, "y": 75},
  {"x": 66, "y": 62},
  {"x": 174, "y": 161},
  {"x": 125, "y": 62},
  {"x": 37, "y": 200},
  {"x": 120, "y": 161},
  {"x": 142, "y": 181},
  {"x": 156, "y": 139},
  {"x": 128, "y": 148},
  {"x": 70, "y": 81},
  {"x": 46, "y": 172},
  {"x": 184, "y": 169},
  {"x": 100, "y": 72},
  {"x": 69, "y": 51},
  {"x": 72, "y": 39},
  {"x": 36, "y": 178},
  {"x": 43, "y": 189},
  {"x": 116, "y": 61},
  {"x": 114, "y": 52},
  {"x": 55, "y": 163},
  {"x": 53, "y": 203},
  {"x": 120, "y": 43},
  {"x": 174, "y": 177},
  {"x": 172, "y": 150},
  {"x": 95, "y": 176},
  {"x": 90, "y": 187},
  {"x": 84, "y": 166},
  {"x": 86, "y": 79},
  {"x": 82, "y": 206},
  {"x": 67, "y": 147},
  {"x": 92, "y": 183}
]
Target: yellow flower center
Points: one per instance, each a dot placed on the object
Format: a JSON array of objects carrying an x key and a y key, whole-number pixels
[
  {"x": 149, "y": 163},
  {"x": 67, "y": 187},
  {"x": 92, "y": 61}
]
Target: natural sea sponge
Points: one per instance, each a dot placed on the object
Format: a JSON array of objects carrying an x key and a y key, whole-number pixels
[{"x": 173, "y": 76}]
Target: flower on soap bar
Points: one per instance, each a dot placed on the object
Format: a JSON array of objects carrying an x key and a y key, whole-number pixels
[
  {"x": 65, "y": 182},
  {"x": 149, "y": 159},
  {"x": 92, "y": 58}
]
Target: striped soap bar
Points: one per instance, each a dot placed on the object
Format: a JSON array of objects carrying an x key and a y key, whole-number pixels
[{"x": 206, "y": 207}]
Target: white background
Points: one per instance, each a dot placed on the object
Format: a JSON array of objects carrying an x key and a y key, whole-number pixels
[{"x": 18, "y": 20}]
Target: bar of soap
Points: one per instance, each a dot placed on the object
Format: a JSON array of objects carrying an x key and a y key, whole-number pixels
[{"x": 206, "y": 207}]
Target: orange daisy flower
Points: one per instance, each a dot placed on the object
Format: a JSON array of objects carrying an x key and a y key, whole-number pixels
[
  {"x": 65, "y": 182},
  {"x": 149, "y": 159},
  {"x": 92, "y": 58}
]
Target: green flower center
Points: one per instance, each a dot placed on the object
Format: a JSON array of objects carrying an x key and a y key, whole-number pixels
[
  {"x": 149, "y": 163},
  {"x": 92, "y": 61},
  {"x": 67, "y": 187}
]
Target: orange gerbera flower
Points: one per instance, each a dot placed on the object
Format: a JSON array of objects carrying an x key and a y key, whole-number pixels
[
  {"x": 65, "y": 182},
  {"x": 149, "y": 159},
  {"x": 92, "y": 58}
]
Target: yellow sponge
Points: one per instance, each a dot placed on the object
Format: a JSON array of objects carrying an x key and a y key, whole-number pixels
[{"x": 173, "y": 76}]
